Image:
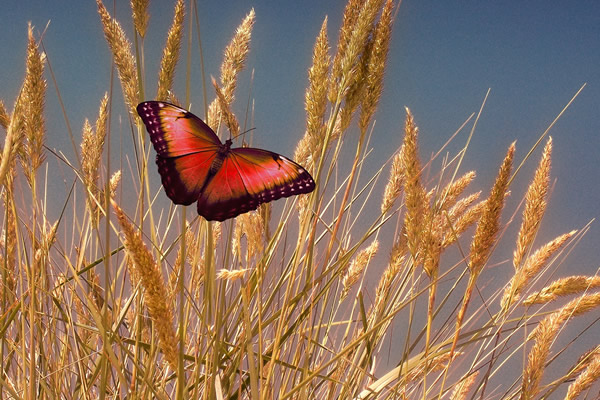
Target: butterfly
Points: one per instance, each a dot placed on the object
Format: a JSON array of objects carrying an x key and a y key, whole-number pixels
[{"x": 195, "y": 165}]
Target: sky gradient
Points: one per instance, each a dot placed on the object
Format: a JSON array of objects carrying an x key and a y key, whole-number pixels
[{"x": 443, "y": 58}]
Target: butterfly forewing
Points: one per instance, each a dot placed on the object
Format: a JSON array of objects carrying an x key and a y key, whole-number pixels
[
  {"x": 174, "y": 131},
  {"x": 185, "y": 148}
]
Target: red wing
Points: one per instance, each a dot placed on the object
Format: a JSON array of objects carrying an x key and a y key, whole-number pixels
[
  {"x": 174, "y": 131},
  {"x": 184, "y": 177},
  {"x": 185, "y": 148},
  {"x": 248, "y": 178}
]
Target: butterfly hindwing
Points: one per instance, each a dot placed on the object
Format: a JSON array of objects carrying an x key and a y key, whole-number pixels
[
  {"x": 184, "y": 177},
  {"x": 248, "y": 178}
]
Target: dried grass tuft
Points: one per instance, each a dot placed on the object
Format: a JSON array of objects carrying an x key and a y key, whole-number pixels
[
  {"x": 535, "y": 206},
  {"x": 171, "y": 53},
  {"x": 156, "y": 293},
  {"x": 122, "y": 55}
]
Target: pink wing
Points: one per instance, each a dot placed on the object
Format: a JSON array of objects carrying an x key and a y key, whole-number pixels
[
  {"x": 248, "y": 178},
  {"x": 185, "y": 147}
]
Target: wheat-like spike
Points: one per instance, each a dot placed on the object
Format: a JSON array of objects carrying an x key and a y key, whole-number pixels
[
  {"x": 315, "y": 101},
  {"x": 431, "y": 244},
  {"x": 139, "y": 9},
  {"x": 156, "y": 293},
  {"x": 535, "y": 206},
  {"x": 545, "y": 334},
  {"x": 249, "y": 225},
  {"x": 383, "y": 287},
  {"x": 489, "y": 223},
  {"x": 377, "y": 57},
  {"x": 583, "y": 362},
  {"x": 226, "y": 112},
  {"x": 460, "y": 217},
  {"x": 4, "y": 117},
  {"x": 531, "y": 268},
  {"x": 92, "y": 144},
  {"x": 234, "y": 58},
  {"x": 34, "y": 90},
  {"x": 393, "y": 188},
  {"x": 124, "y": 59},
  {"x": 231, "y": 275},
  {"x": 462, "y": 389},
  {"x": 353, "y": 8},
  {"x": 563, "y": 287},
  {"x": 590, "y": 375},
  {"x": 415, "y": 200},
  {"x": 450, "y": 193},
  {"x": 115, "y": 179},
  {"x": 359, "y": 37},
  {"x": 170, "y": 56},
  {"x": 357, "y": 266}
]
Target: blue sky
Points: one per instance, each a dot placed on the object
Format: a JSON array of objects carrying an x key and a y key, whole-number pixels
[{"x": 444, "y": 56}]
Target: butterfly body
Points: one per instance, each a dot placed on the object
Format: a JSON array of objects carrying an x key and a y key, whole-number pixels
[{"x": 195, "y": 166}]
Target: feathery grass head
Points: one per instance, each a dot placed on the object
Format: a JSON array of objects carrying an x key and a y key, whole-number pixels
[
  {"x": 535, "y": 206},
  {"x": 92, "y": 144},
  {"x": 489, "y": 223},
  {"x": 34, "y": 90},
  {"x": 356, "y": 268},
  {"x": 415, "y": 199},
  {"x": 234, "y": 59},
  {"x": 563, "y": 287},
  {"x": 315, "y": 101},
  {"x": 122, "y": 55},
  {"x": 531, "y": 268},
  {"x": 377, "y": 58},
  {"x": 545, "y": 334},
  {"x": 156, "y": 293},
  {"x": 393, "y": 188},
  {"x": 170, "y": 56},
  {"x": 139, "y": 9}
]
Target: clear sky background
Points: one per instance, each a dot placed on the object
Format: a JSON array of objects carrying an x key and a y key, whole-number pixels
[{"x": 444, "y": 56}]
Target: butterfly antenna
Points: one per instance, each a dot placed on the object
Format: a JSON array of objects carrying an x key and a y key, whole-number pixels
[{"x": 243, "y": 134}]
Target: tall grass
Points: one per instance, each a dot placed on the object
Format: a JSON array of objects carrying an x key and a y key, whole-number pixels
[{"x": 122, "y": 297}]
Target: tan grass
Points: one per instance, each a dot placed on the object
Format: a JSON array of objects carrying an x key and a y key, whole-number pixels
[
  {"x": 563, "y": 287},
  {"x": 122, "y": 56},
  {"x": 590, "y": 375},
  {"x": 4, "y": 117},
  {"x": 249, "y": 225},
  {"x": 234, "y": 59},
  {"x": 393, "y": 188},
  {"x": 34, "y": 90},
  {"x": 461, "y": 390},
  {"x": 545, "y": 334},
  {"x": 535, "y": 206},
  {"x": 489, "y": 223},
  {"x": 377, "y": 56},
  {"x": 170, "y": 56},
  {"x": 531, "y": 268},
  {"x": 356, "y": 268},
  {"x": 315, "y": 101},
  {"x": 231, "y": 275},
  {"x": 414, "y": 192},
  {"x": 92, "y": 145},
  {"x": 155, "y": 290},
  {"x": 139, "y": 10}
]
